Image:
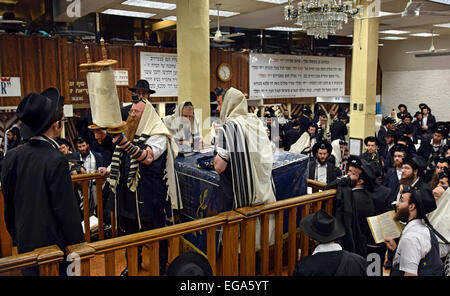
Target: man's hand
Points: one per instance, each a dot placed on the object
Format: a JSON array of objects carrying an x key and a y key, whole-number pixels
[
  {"x": 102, "y": 171},
  {"x": 390, "y": 244},
  {"x": 437, "y": 192},
  {"x": 121, "y": 138}
]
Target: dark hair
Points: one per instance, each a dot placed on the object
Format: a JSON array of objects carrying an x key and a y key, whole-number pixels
[
  {"x": 80, "y": 140},
  {"x": 187, "y": 104}
]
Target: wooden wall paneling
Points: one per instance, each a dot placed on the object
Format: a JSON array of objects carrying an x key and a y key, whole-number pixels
[{"x": 11, "y": 64}]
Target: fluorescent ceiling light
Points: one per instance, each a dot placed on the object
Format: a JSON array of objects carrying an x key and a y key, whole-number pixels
[
  {"x": 441, "y": 1},
  {"x": 170, "y": 18},
  {"x": 385, "y": 13},
  {"x": 423, "y": 34},
  {"x": 393, "y": 38},
  {"x": 150, "y": 4},
  {"x": 447, "y": 25},
  {"x": 396, "y": 32},
  {"x": 288, "y": 29},
  {"x": 274, "y": 1},
  {"x": 222, "y": 13},
  {"x": 128, "y": 13}
]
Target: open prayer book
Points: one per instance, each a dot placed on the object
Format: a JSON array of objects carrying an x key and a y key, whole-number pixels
[{"x": 384, "y": 226}]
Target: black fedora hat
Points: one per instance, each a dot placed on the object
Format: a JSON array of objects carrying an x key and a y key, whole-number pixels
[
  {"x": 424, "y": 106},
  {"x": 399, "y": 148},
  {"x": 402, "y": 105},
  {"x": 387, "y": 120},
  {"x": 37, "y": 110},
  {"x": 371, "y": 139},
  {"x": 407, "y": 115},
  {"x": 417, "y": 163},
  {"x": 143, "y": 85},
  {"x": 322, "y": 145},
  {"x": 322, "y": 227},
  {"x": 189, "y": 264}
]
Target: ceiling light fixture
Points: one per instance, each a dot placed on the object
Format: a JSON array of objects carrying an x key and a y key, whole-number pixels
[
  {"x": 441, "y": 1},
  {"x": 150, "y": 4},
  {"x": 393, "y": 38},
  {"x": 274, "y": 1},
  {"x": 223, "y": 13},
  {"x": 320, "y": 18},
  {"x": 447, "y": 25},
  {"x": 170, "y": 18},
  {"x": 128, "y": 13},
  {"x": 395, "y": 32},
  {"x": 287, "y": 29}
]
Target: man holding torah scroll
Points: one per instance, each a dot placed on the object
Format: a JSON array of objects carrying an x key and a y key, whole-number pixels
[{"x": 143, "y": 174}]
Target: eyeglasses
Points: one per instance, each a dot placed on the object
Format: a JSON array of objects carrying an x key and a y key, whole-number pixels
[{"x": 134, "y": 112}]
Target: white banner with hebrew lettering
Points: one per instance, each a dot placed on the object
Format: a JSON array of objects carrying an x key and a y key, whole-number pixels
[
  {"x": 289, "y": 76},
  {"x": 161, "y": 72}
]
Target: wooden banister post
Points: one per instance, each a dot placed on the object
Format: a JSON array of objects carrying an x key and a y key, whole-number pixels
[
  {"x": 49, "y": 259},
  {"x": 5, "y": 238},
  {"x": 292, "y": 240},
  {"x": 230, "y": 248},
  {"x": 248, "y": 229},
  {"x": 211, "y": 248},
  {"x": 154, "y": 257},
  {"x": 264, "y": 252},
  {"x": 99, "y": 193},
  {"x": 278, "y": 243},
  {"x": 82, "y": 252},
  {"x": 87, "y": 228}
]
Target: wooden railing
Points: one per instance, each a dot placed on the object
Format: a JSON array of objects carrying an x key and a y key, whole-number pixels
[
  {"x": 5, "y": 239},
  {"x": 243, "y": 220},
  {"x": 46, "y": 258}
]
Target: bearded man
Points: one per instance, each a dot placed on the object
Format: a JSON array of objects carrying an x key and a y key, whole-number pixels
[
  {"x": 306, "y": 141},
  {"x": 322, "y": 167},
  {"x": 417, "y": 252},
  {"x": 143, "y": 175}
]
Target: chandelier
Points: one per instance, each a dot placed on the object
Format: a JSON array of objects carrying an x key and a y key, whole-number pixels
[{"x": 320, "y": 18}]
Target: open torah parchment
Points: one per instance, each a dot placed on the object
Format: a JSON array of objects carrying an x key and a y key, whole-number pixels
[{"x": 384, "y": 226}]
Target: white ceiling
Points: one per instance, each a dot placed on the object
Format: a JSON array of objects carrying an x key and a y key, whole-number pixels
[{"x": 260, "y": 15}]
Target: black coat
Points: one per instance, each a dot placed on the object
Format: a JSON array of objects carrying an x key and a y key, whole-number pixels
[
  {"x": 336, "y": 263},
  {"x": 99, "y": 160},
  {"x": 291, "y": 137},
  {"x": 332, "y": 171},
  {"x": 338, "y": 130},
  {"x": 40, "y": 206},
  {"x": 381, "y": 137},
  {"x": 391, "y": 180}
]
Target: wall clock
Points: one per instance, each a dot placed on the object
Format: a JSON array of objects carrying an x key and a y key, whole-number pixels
[{"x": 224, "y": 72}]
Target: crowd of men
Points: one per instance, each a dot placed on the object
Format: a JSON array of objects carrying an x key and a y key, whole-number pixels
[{"x": 404, "y": 167}]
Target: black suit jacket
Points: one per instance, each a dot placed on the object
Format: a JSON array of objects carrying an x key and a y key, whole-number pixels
[
  {"x": 332, "y": 171},
  {"x": 99, "y": 160},
  {"x": 338, "y": 130},
  {"x": 40, "y": 205}
]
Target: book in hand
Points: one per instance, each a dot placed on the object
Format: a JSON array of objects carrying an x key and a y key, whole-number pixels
[{"x": 384, "y": 226}]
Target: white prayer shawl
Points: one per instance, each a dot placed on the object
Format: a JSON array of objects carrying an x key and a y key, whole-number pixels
[
  {"x": 302, "y": 143},
  {"x": 149, "y": 125},
  {"x": 178, "y": 127},
  {"x": 336, "y": 152},
  {"x": 440, "y": 218},
  {"x": 258, "y": 179}
]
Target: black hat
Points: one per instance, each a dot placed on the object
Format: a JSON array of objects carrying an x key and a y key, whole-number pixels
[
  {"x": 421, "y": 105},
  {"x": 416, "y": 162},
  {"x": 371, "y": 139},
  {"x": 424, "y": 106},
  {"x": 37, "y": 110},
  {"x": 387, "y": 120},
  {"x": 440, "y": 129},
  {"x": 402, "y": 105},
  {"x": 142, "y": 84},
  {"x": 443, "y": 159},
  {"x": 307, "y": 111},
  {"x": 423, "y": 199},
  {"x": 399, "y": 148},
  {"x": 444, "y": 174},
  {"x": 322, "y": 145},
  {"x": 73, "y": 159},
  {"x": 417, "y": 113},
  {"x": 407, "y": 129},
  {"x": 313, "y": 124},
  {"x": 189, "y": 264},
  {"x": 342, "y": 115},
  {"x": 407, "y": 115},
  {"x": 392, "y": 133},
  {"x": 62, "y": 141},
  {"x": 322, "y": 227}
]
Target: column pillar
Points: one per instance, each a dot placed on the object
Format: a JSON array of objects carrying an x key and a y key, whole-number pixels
[
  {"x": 364, "y": 76},
  {"x": 193, "y": 57}
]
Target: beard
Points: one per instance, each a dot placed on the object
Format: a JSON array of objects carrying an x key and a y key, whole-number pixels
[
  {"x": 402, "y": 215},
  {"x": 132, "y": 125},
  {"x": 408, "y": 180},
  {"x": 322, "y": 162},
  {"x": 398, "y": 164}
]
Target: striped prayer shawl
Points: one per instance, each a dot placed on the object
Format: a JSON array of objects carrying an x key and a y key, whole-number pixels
[
  {"x": 133, "y": 175},
  {"x": 241, "y": 167}
]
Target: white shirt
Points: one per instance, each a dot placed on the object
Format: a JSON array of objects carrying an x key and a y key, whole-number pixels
[
  {"x": 158, "y": 143},
  {"x": 414, "y": 244},
  {"x": 328, "y": 247},
  {"x": 399, "y": 173},
  {"x": 89, "y": 163},
  {"x": 321, "y": 172}
]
